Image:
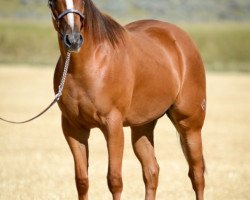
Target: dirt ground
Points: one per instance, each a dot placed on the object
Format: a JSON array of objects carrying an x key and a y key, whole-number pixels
[{"x": 36, "y": 164}]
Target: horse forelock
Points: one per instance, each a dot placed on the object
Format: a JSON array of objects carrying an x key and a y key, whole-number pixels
[{"x": 100, "y": 26}]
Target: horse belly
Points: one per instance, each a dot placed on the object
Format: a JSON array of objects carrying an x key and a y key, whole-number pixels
[{"x": 153, "y": 96}]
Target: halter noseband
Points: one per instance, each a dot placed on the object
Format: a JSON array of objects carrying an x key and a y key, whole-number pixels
[{"x": 67, "y": 12}]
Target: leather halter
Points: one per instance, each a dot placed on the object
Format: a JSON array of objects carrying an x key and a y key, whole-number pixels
[
  {"x": 60, "y": 16},
  {"x": 67, "y": 12}
]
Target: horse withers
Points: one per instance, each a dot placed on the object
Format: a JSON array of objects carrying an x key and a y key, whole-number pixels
[{"x": 127, "y": 76}]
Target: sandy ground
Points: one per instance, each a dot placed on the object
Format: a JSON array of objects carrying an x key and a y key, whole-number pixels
[{"x": 35, "y": 161}]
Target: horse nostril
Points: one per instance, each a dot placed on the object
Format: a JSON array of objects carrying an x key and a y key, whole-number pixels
[
  {"x": 67, "y": 40},
  {"x": 73, "y": 41},
  {"x": 81, "y": 39}
]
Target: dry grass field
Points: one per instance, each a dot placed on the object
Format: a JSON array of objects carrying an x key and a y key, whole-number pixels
[{"x": 36, "y": 164}]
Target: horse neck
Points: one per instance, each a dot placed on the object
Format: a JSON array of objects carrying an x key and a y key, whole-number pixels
[
  {"x": 77, "y": 59},
  {"x": 87, "y": 52}
]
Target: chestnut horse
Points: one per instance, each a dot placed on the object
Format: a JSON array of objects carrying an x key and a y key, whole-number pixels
[{"x": 127, "y": 76}]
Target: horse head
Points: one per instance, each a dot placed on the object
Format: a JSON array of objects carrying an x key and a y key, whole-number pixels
[{"x": 68, "y": 19}]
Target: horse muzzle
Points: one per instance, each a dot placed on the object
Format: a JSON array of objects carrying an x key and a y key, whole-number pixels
[{"x": 73, "y": 42}]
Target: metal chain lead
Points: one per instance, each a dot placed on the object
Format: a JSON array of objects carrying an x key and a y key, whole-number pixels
[
  {"x": 57, "y": 96},
  {"x": 65, "y": 71}
]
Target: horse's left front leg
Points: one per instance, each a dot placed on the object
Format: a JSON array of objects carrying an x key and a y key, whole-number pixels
[{"x": 113, "y": 132}]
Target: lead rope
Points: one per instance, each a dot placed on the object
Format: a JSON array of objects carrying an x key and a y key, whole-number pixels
[{"x": 57, "y": 96}]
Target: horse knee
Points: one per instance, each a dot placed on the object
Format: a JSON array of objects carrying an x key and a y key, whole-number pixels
[
  {"x": 115, "y": 183},
  {"x": 151, "y": 175},
  {"x": 197, "y": 178},
  {"x": 82, "y": 184}
]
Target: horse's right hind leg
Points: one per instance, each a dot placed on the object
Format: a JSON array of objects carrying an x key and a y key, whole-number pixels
[
  {"x": 143, "y": 145},
  {"x": 189, "y": 125}
]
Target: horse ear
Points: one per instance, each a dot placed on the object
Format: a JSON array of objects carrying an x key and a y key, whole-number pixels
[{"x": 50, "y": 3}]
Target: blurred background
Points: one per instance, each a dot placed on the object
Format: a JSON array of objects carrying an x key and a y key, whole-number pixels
[
  {"x": 219, "y": 27},
  {"x": 35, "y": 162}
]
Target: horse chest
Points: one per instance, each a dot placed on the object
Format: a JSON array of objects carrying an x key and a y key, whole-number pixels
[{"x": 80, "y": 107}]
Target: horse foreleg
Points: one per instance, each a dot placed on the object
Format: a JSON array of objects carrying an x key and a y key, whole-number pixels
[
  {"x": 115, "y": 143},
  {"x": 78, "y": 143},
  {"x": 143, "y": 145}
]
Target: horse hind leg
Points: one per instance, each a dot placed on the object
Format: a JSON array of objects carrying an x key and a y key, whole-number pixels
[
  {"x": 188, "y": 123},
  {"x": 143, "y": 146}
]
